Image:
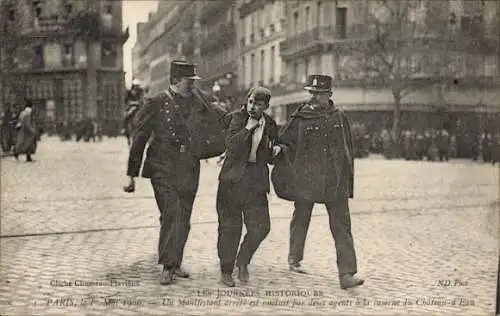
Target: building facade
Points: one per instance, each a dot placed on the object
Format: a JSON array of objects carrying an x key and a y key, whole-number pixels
[
  {"x": 167, "y": 35},
  {"x": 321, "y": 35},
  {"x": 68, "y": 69},
  {"x": 262, "y": 28},
  {"x": 217, "y": 50}
]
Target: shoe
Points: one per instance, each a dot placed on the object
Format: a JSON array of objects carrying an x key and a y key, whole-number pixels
[
  {"x": 295, "y": 267},
  {"x": 243, "y": 274},
  {"x": 181, "y": 273},
  {"x": 227, "y": 279},
  {"x": 348, "y": 281},
  {"x": 16, "y": 156},
  {"x": 167, "y": 277},
  {"x": 30, "y": 160}
]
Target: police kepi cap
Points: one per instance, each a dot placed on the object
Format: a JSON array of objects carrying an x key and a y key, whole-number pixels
[
  {"x": 318, "y": 83},
  {"x": 182, "y": 69},
  {"x": 260, "y": 94}
]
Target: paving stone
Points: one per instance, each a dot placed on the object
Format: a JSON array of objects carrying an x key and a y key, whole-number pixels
[{"x": 414, "y": 224}]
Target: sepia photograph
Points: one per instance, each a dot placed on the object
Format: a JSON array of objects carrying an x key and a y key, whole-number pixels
[{"x": 249, "y": 157}]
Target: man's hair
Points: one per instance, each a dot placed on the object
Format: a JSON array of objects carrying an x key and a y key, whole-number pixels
[{"x": 260, "y": 91}]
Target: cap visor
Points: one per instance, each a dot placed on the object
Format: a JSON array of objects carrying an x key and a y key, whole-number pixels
[
  {"x": 314, "y": 89},
  {"x": 194, "y": 77}
]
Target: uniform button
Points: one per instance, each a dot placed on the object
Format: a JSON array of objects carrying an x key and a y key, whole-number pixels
[
  {"x": 326, "y": 135},
  {"x": 324, "y": 149},
  {"x": 168, "y": 120},
  {"x": 173, "y": 134},
  {"x": 168, "y": 111}
]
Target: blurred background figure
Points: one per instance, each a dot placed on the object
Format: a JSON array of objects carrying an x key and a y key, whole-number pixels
[
  {"x": 8, "y": 128},
  {"x": 27, "y": 134},
  {"x": 133, "y": 101}
]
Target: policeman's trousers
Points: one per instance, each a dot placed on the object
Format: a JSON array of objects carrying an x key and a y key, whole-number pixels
[
  {"x": 340, "y": 227},
  {"x": 175, "y": 204}
]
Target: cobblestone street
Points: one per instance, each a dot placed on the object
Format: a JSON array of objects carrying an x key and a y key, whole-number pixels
[{"x": 73, "y": 243}]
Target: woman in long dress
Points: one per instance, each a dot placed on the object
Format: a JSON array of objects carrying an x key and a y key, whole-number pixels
[{"x": 27, "y": 135}]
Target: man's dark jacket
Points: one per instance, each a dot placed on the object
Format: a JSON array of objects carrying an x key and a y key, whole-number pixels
[{"x": 238, "y": 146}]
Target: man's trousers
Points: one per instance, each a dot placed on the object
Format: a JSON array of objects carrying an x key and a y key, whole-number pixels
[
  {"x": 175, "y": 203},
  {"x": 245, "y": 201},
  {"x": 340, "y": 227}
]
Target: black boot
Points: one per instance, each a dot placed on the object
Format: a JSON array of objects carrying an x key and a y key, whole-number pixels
[{"x": 29, "y": 159}]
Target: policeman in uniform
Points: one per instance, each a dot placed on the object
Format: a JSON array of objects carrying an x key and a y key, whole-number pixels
[
  {"x": 319, "y": 142},
  {"x": 172, "y": 169}
]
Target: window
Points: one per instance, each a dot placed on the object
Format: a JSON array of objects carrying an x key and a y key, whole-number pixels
[
  {"x": 296, "y": 22},
  {"x": 12, "y": 14},
  {"x": 37, "y": 9},
  {"x": 271, "y": 28},
  {"x": 252, "y": 68},
  {"x": 491, "y": 66},
  {"x": 318, "y": 14},
  {"x": 108, "y": 8},
  {"x": 262, "y": 64},
  {"x": 341, "y": 22},
  {"x": 242, "y": 42},
  {"x": 272, "y": 57},
  {"x": 108, "y": 54},
  {"x": 307, "y": 66},
  {"x": 252, "y": 38},
  {"x": 68, "y": 8},
  {"x": 243, "y": 69},
  {"x": 262, "y": 33},
  {"x": 306, "y": 26},
  {"x": 67, "y": 55},
  {"x": 295, "y": 72},
  {"x": 37, "y": 56}
]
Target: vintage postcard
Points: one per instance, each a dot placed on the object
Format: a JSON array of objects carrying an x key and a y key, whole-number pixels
[{"x": 249, "y": 157}]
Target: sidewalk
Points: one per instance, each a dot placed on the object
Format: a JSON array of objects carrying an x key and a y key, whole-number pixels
[{"x": 87, "y": 248}]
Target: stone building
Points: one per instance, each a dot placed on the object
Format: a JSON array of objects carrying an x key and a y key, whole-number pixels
[
  {"x": 167, "y": 35},
  {"x": 322, "y": 35},
  {"x": 66, "y": 56},
  {"x": 262, "y": 27}
]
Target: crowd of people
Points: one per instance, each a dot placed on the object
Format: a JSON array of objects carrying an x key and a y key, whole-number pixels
[
  {"x": 84, "y": 129},
  {"x": 428, "y": 144}
]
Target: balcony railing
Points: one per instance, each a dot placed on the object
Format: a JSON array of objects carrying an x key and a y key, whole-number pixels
[
  {"x": 332, "y": 33},
  {"x": 211, "y": 8},
  {"x": 211, "y": 71},
  {"x": 224, "y": 33},
  {"x": 48, "y": 24}
]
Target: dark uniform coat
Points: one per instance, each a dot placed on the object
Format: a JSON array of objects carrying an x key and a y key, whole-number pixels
[
  {"x": 164, "y": 122},
  {"x": 321, "y": 151}
]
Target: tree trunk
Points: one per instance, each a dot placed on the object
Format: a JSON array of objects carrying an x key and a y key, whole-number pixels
[
  {"x": 91, "y": 83},
  {"x": 396, "y": 124}
]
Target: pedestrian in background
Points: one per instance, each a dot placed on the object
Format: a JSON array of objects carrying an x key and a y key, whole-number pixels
[
  {"x": 318, "y": 141},
  {"x": 27, "y": 136},
  {"x": 244, "y": 185}
]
